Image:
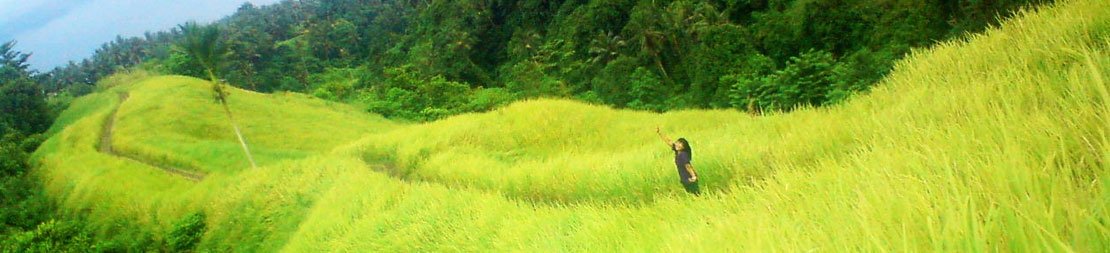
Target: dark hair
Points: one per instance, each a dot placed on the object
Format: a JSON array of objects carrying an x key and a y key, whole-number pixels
[{"x": 686, "y": 147}]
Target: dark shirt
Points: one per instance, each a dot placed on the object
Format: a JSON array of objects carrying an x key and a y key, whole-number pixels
[{"x": 681, "y": 159}]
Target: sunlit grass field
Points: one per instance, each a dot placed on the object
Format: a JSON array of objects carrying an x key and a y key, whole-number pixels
[
  {"x": 995, "y": 143},
  {"x": 177, "y": 120}
]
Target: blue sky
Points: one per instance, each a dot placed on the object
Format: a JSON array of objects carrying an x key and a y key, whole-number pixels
[{"x": 58, "y": 31}]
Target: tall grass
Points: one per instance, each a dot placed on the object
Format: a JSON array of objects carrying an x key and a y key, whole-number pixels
[{"x": 996, "y": 143}]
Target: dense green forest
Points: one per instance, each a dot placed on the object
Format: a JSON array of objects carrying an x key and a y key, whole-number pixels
[
  {"x": 28, "y": 218},
  {"x": 424, "y": 60}
]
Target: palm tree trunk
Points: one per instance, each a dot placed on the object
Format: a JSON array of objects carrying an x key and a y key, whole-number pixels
[
  {"x": 659, "y": 63},
  {"x": 221, "y": 96},
  {"x": 239, "y": 134}
]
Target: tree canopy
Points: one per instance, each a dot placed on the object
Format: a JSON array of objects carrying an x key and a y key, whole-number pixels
[{"x": 655, "y": 55}]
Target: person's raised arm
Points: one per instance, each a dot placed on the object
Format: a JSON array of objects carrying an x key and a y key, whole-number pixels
[{"x": 664, "y": 137}]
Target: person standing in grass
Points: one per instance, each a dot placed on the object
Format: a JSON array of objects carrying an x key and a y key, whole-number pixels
[{"x": 682, "y": 156}]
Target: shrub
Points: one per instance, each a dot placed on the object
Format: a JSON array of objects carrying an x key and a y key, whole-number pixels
[
  {"x": 337, "y": 84},
  {"x": 530, "y": 80},
  {"x": 645, "y": 89},
  {"x": 180, "y": 63},
  {"x": 410, "y": 95},
  {"x": 50, "y": 236},
  {"x": 611, "y": 84},
  {"x": 186, "y": 232},
  {"x": 484, "y": 99},
  {"x": 806, "y": 80}
]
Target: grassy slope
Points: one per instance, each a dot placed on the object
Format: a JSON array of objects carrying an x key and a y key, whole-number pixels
[
  {"x": 170, "y": 113},
  {"x": 996, "y": 143},
  {"x": 176, "y": 117}
]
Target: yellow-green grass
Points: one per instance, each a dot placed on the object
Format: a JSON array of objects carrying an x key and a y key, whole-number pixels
[
  {"x": 569, "y": 152},
  {"x": 175, "y": 120},
  {"x": 997, "y": 143},
  {"x": 115, "y": 192}
]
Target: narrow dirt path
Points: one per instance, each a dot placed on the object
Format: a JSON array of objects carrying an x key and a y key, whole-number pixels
[{"x": 105, "y": 147}]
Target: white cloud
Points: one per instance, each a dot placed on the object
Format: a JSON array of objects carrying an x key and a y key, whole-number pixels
[
  {"x": 20, "y": 16},
  {"x": 77, "y": 34},
  {"x": 15, "y": 8}
]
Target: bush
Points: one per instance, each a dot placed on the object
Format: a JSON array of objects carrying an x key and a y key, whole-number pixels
[
  {"x": 186, "y": 232},
  {"x": 25, "y": 205},
  {"x": 590, "y": 97},
  {"x": 12, "y": 157},
  {"x": 611, "y": 84},
  {"x": 50, "y": 236},
  {"x": 645, "y": 90},
  {"x": 180, "y": 63},
  {"x": 336, "y": 84},
  {"x": 742, "y": 84},
  {"x": 746, "y": 91},
  {"x": 530, "y": 80},
  {"x": 484, "y": 99},
  {"x": 860, "y": 70},
  {"x": 806, "y": 80},
  {"x": 23, "y": 107},
  {"x": 409, "y": 95}
]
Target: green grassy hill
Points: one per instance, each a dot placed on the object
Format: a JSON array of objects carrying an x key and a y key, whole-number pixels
[
  {"x": 996, "y": 143},
  {"x": 177, "y": 118}
]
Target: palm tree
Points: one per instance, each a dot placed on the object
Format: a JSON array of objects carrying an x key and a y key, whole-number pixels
[
  {"x": 201, "y": 43},
  {"x": 605, "y": 47},
  {"x": 13, "y": 64}
]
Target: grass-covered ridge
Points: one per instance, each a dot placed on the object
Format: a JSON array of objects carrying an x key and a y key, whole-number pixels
[
  {"x": 994, "y": 143},
  {"x": 178, "y": 116}
]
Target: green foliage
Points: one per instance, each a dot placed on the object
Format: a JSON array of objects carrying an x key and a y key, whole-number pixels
[
  {"x": 805, "y": 81},
  {"x": 13, "y": 64},
  {"x": 548, "y": 69},
  {"x": 25, "y": 205},
  {"x": 179, "y": 62},
  {"x": 59, "y": 102},
  {"x": 51, "y": 236},
  {"x": 581, "y": 49},
  {"x": 412, "y": 95},
  {"x": 741, "y": 82},
  {"x": 23, "y": 107},
  {"x": 530, "y": 79},
  {"x": 14, "y": 148},
  {"x": 723, "y": 50},
  {"x": 72, "y": 234},
  {"x": 611, "y": 84},
  {"x": 337, "y": 84},
  {"x": 485, "y": 99},
  {"x": 202, "y": 44},
  {"x": 645, "y": 90},
  {"x": 186, "y": 232},
  {"x": 25, "y": 221},
  {"x": 12, "y": 157}
]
